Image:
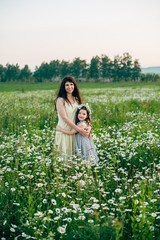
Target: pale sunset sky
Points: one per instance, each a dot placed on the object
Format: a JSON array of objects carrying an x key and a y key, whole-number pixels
[{"x": 36, "y": 31}]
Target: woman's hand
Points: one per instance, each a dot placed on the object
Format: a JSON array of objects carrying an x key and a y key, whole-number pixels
[{"x": 58, "y": 128}]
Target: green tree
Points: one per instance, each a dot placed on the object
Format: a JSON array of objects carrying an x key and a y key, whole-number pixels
[
  {"x": 126, "y": 67},
  {"x": 25, "y": 74},
  {"x": 78, "y": 67},
  {"x": 149, "y": 77},
  {"x": 12, "y": 72},
  {"x": 136, "y": 70},
  {"x": 116, "y": 69},
  {"x": 2, "y": 73},
  {"x": 105, "y": 67},
  {"x": 64, "y": 68},
  {"x": 54, "y": 68},
  {"x": 43, "y": 72},
  {"x": 94, "y": 68}
]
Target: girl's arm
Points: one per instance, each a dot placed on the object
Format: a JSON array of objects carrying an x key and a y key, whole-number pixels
[{"x": 62, "y": 112}]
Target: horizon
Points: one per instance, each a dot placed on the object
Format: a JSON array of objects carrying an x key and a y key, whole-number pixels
[{"x": 33, "y": 32}]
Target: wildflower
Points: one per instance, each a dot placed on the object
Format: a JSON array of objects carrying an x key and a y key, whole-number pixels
[
  {"x": 40, "y": 184},
  {"x": 63, "y": 194},
  {"x": 111, "y": 201},
  {"x": 137, "y": 219},
  {"x": 22, "y": 187},
  {"x": 129, "y": 180},
  {"x": 118, "y": 190},
  {"x": 82, "y": 217},
  {"x": 17, "y": 204},
  {"x": 136, "y": 185},
  {"x": 90, "y": 221},
  {"x": 12, "y": 229},
  {"x": 75, "y": 206},
  {"x": 61, "y": 230},
  {"x": 82, "y": 182},
  {"x": 13, "y": 189},
  {"x": 57, "y": 210},
  {"x": 46, "y": 219},
  {"x": 151, "y": 228},
  {"x": 95, "y": 206},
  {"x": 53, "y": 201},
  {"x": 128, "y": 210},
  {"x": 145, "y": 203},
  {"x": 153, "y": 214},
  {"x": 39, "y": 214},
  {"x": 57, "y": 218},
  {"x": 67, "y": 219},
  {"x": 30, "y": 176},
  {"x": 87, "y": 211},
  {"x": 50, "y": 211},
  {"x": 24, "y": 235},
  {"x": 153, "y": 200},
  {"x": 5, "y": 221},
  {"x": 8, "y": 169},
  {"x": 136, "y": 202},
  {"x": 44, "y": 200},
  {"x": 122, "y": 198}
]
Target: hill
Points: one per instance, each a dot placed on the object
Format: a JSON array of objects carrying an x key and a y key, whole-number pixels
[{"x": 155, "y": 70}]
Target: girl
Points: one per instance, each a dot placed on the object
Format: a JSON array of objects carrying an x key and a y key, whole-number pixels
[
  {"x": 66, "y": 102},
  {"x": 83, "y": 145}
]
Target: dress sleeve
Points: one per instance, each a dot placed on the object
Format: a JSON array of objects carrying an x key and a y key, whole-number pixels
[{"x": 83, "y": 122}]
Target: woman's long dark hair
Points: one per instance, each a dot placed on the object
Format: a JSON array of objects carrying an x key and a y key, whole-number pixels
[
  {"x": 63, "y": 94},
  {"x": 88, "y": 118}
]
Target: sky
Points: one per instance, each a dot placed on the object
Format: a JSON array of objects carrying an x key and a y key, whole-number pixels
[{"x": 36, "y": 31}]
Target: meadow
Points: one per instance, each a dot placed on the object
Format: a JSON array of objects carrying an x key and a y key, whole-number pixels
[{"x": 44, "y": 197}]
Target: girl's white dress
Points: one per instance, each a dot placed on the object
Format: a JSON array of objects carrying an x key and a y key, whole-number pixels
[{"x": 85, "y": 147}]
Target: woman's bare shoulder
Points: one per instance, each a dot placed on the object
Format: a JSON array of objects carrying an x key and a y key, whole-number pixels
[{"x": 60, "y": 100}]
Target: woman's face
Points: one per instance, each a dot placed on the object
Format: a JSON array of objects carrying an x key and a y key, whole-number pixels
[
  {"x": 69, "y": 87},
  {"x": 82, "y": 115}
]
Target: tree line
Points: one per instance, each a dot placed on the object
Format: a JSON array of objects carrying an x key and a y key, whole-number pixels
[{"x": 121, "y": 68}]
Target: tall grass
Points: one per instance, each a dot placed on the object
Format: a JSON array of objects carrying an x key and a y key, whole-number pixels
[
  {"x": 23, "y": 87},
  {"x": 44, "y": 197}
]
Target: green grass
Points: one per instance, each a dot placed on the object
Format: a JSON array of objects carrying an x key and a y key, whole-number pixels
[
  {"x": 40, "y": 192},
  {"x": 22, "y": 87}
]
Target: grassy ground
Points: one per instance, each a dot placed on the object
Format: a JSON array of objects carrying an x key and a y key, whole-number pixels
[
  {"x": 44, "y": 197},
  {"x": 8, "y": 87}
]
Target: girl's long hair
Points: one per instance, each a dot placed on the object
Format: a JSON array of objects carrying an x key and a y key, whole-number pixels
[
  {"x": 88, "y": 118},
  {"x": 63, "y": 94}
]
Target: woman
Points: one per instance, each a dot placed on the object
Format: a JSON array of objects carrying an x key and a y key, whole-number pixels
[{"x": 67, "y": 101}]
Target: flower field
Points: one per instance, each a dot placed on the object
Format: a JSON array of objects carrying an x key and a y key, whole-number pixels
[{"x": 43, "y": 197}]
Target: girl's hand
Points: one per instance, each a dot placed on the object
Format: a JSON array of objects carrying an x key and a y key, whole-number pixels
[
  {"x": 83, "y": 132},
  {"x": 88, "y": 130}
]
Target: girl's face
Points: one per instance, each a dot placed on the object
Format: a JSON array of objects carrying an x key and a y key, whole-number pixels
[
  {"x": 82, "y": 115},
  {"x": 69, "y": 87}
]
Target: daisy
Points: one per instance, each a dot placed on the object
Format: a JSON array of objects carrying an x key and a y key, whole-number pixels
[{"x": 61, "y": 230}]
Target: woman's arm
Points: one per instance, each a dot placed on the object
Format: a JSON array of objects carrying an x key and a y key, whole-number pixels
[
  {"x": 72, "y": 132},
  {"x": 62, "y": 112}
]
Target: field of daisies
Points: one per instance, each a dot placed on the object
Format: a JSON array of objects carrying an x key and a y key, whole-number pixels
[{"x": 44, "y": 197}]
